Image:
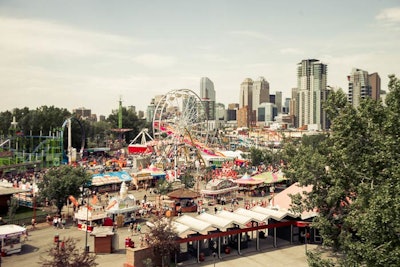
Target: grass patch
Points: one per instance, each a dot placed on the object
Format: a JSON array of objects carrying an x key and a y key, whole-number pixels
[{"x": 24, "y": 215}]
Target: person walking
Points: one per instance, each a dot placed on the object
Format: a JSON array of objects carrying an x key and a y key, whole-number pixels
[
  {"x": 33, "y": 224},
  {"x": 63, "y": 222},
  {"x": 130, "y": 229}
]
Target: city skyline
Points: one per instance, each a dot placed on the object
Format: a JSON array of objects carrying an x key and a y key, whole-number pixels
[{"x": 88, "y": 54}]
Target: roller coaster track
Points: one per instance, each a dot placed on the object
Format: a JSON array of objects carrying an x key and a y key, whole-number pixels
[
  {"x": 198, "y": 153},
  {"x": 5, "y": 142}
]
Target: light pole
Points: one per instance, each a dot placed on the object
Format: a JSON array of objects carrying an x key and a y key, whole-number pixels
[
  {"x": 87, "y": 221},
  {"x": 34, "y": 191},
  {"x": 214, "y": 255},
  {"x": 86, "y": 193}
]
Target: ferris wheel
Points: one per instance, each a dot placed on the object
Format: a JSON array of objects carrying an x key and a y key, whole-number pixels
[{"x": 180, "y": 119}]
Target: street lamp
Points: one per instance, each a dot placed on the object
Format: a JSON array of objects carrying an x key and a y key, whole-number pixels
[
  {"x": 85, "y": 191},
  {"x": 214, "y": 255}
]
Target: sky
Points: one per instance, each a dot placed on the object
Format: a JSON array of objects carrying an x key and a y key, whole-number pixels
[{"x": 72, "y": 54}]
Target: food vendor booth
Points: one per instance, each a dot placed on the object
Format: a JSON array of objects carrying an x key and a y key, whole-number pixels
[
  {"x": 122, "y": 208},
  {"x": 87, "y": 217},
  {"x": 141, "y": 179},
  {"x": 10, "y": 238}
]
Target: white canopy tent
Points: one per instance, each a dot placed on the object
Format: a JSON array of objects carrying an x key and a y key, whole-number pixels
[
  {"x": 195, "y": 224},
  {"x": 256, "y": 216},
  {"x": 215, "y": 221},
  {"x": 273, "y": 213},
  {"x": 238, "y": 219}
]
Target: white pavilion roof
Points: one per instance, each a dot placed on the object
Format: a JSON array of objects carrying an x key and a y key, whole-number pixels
[
  {"x": 259, "y": 217},
  {"x": 241, "y": 220},
  {"x": 195, "y": 224},
  {"x": 273, "y": 213},
  {"x": 216, "y": 221},
  {"x": 180, "y": 228}
]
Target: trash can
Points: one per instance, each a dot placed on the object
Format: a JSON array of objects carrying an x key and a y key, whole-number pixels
[
  {"x": 128, "y": 242},
  {"x": 56, "y": 238}
]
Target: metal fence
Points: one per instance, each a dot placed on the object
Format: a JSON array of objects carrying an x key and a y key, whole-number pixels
[{"x": 28, "y": 220}]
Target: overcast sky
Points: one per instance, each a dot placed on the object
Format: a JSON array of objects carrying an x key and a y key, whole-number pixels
[{"x": 90, "y": 53}]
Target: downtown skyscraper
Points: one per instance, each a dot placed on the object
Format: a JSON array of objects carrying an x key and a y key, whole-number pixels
[
  {"x": 363, "y": 85},
  {"x": 207, "y": 95},
  {"x": 311, "y": 93}
]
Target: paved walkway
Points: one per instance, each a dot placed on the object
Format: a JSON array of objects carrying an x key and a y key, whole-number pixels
[{"x": 41, "y": 240}]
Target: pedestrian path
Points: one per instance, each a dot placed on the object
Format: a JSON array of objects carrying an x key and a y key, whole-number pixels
[{"x": 41, "y": 239}]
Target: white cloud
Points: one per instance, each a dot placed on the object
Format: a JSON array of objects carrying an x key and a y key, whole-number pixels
[
  {"x": 250, "y": 34},
  {"x": 37, "y": 38},
  {"x": 291, "y": 51},
  {"x": 389, "y": 16},
  {"x": 155, "y": 61}
]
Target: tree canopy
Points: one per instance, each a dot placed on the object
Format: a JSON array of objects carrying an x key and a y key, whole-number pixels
[
  {"x": 61, "y": 182},
  {"x": 162, "y": 238},
  {"x": 66, "y": 254},
  {"x": 355, "y": 173},
  {"x": 129, "y": 121}
]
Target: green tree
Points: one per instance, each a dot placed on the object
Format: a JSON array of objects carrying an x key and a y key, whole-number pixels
[
  {"x": 129, "y": 121},
  {"x": 163, "y": 239},
  {"x": 13, "y": 206},
  {"x": 355, "y": 173},
  {"x": 66, "y": 254},
  {"x": 256, "y": 156},
  {"x": 163, "y": 186},
  {"x": 61, "y": 182},
  {"x": 99, "y": 132},
  {"x": 188, "y": 180}
]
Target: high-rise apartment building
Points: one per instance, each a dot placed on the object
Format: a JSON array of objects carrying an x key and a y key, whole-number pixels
[
  {"x": 375, "y": 83},
  {"x": 363, "y": 85},
  {"x": 207, "y": 95},
  {"x": 359, "y": 87},
  {"x": 83, "y": 113},
  {"x": 312, "y": 92}
]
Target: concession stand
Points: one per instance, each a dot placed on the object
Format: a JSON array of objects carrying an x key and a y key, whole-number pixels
[
  {"x": 10, "y": 238},
  {"x": 90, "y": 216}
]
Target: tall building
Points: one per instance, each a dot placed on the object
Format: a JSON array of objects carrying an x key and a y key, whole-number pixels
[
  {"x": 83, "y": 113},
  {"x": 375, "y": 83},
  {"x": 359, "y": 87},
  {"x": 150, "y": 110},
  {"x": 363, "y": 85},
  {"x": 232, "y": 111},
  {"x": 286, "y": 105},
  {"x": 260, "y": 93},
  {"x": 278, "y": 101},
  {"x": 293, "y": 107},
  {"x": 207, "y": 95},
  {"x": 312, "y": 92},
  {"x": 246, "y": 94},
  {"x": 243, "y": 117},
  {"x": 266, "y": 114}
]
